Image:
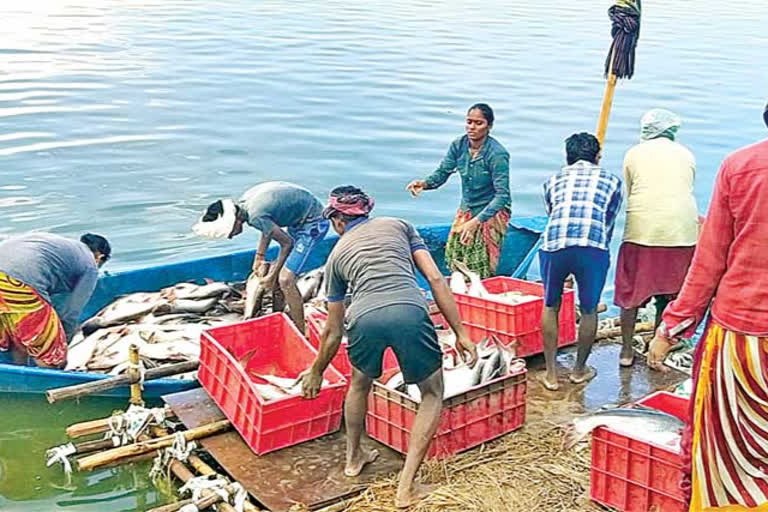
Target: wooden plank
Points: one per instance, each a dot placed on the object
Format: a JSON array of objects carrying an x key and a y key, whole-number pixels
[{"x": 310, "y": 473}]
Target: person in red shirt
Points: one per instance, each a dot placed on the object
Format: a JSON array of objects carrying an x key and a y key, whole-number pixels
[{"x": 725, "y": 444}]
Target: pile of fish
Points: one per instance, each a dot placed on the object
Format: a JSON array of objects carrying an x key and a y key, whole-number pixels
[
  {"x": 475, "y": 288},
  {"x": 495, "y": 361},
  {"x": 642, "y": 423},
  {"x": 166, "y": 325}
]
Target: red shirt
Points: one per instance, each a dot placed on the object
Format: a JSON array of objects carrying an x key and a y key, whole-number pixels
[{"x": 731, "y": 260}]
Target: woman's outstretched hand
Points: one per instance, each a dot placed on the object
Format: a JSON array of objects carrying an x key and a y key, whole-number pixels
[{"x": 416, "y": 187}]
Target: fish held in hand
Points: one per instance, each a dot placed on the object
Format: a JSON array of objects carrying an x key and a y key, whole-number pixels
[{"x": 254, "y": 293}]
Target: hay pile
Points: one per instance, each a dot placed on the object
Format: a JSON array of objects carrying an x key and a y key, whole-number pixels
[{"x": 526, "y": 471}]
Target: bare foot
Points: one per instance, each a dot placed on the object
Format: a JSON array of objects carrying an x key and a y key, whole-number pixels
[
  {"x": 551, "y": 385},
  {"x": 583, "y": 376},
  {"x": 627, "y": 357},
  {"x": 414, "y": 495},
  {"x": 355, "y": 466}
]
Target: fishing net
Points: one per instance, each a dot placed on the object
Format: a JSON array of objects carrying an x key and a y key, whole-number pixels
[{"x": 625, "y": 30}]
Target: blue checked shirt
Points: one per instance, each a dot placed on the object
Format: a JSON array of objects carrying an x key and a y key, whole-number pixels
[{"x": 582, "y": 202}]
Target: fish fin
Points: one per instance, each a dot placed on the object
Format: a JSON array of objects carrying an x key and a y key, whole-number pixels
[{"x": 572, "y": 436}]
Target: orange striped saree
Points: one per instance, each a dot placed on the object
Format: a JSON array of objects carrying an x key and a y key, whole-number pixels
[
  {"x": 727, "y": 443},
  {"x": 30, "y": 323}
]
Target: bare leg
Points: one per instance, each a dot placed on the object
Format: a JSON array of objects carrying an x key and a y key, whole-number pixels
[
  {"x": 587, "y": 332},
  {"x": 424, "y": 428},
  {"x": 292, "y": 298},
  {"x": 628, "y": 319},
  {"x": 355, "y": 406},
  {"x": 549, "y": 328}
]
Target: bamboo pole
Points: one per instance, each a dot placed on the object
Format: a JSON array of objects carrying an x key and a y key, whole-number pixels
[
  {"x": 134, "y": 374},
  {"x": 615, "y": 332},
  {"x": 90, "y": 388},
  {"x": 209, "y": 499},
  {"x": 99, "y": 426},
  {"x": 605, "y": 110},
  {"x": 99, "y": 459},
  {"x": 204, "y": 469}
]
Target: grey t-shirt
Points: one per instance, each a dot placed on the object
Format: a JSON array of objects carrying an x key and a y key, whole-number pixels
[
  {"x": 374, "y": 259},
  {"x": 280, "y": 203},
  {"x": 61, "y": 270}
]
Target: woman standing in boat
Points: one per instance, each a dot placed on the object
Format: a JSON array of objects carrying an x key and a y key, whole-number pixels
[{"x": 477, "y": 234}]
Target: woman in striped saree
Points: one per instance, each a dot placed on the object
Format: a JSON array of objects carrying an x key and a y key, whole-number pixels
[
  {"x": 725, "y": 445},
  {"x": 478, "y": 231}
]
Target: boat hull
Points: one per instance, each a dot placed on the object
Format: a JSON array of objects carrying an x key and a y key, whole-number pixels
[{"x": 518, "y": 252}]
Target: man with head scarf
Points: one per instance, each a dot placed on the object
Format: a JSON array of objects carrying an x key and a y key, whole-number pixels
[
  {"x": 376, "y": 259},
  {"x": 270, "y": 207},
  {"x": 724, "y": 446},
  {"x": 662, "y": 222}
]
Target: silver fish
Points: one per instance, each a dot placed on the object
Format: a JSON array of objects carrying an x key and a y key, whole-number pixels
[
  {"x": 254, "y": 293},
  {"x": 458, "y": 284},
  {"x": 124, "y": 310},
  {"x": 191, "y": 291},
  {"x": 192, "y": 306},
  {"x": 476, "y": 288},
  {"x": 646, "y": 423},
  {"x": 309, "y": 284},
  {"x": 492, "y": 368}
]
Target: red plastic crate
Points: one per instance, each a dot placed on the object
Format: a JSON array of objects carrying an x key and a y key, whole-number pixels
[
  {"x": 633, "y": 475},
  {"x": 479, "y": 415},
  {"x": 277, "y": 349},
  {"x": 519, "y": 322},
  {"x": 315, "y": 325}
]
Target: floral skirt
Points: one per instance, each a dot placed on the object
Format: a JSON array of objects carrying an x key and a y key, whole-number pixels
[{"x": 482, "y": 253}]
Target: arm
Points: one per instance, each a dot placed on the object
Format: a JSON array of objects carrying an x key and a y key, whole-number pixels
[
  {"x": 286, "y": 245},
  {"x": 500, "y": 174},
  {"x": 709, "y": 262},
  {"x": 73, "y": 306},
  {"x": 547, "y": 202},
  {"x": 445, "y": 302},
  {"x": 330, "y": 339},
  {"x": 261, "y": 250},
  {"x": 444, "y": 170},
  {"x": 612, "y": 211},
  {"x": 336, "y": 287}
]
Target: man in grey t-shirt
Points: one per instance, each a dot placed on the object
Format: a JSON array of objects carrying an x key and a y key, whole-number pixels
[
  {"x": 377, "y": 260},
  {"x": 270, "y": 207}
]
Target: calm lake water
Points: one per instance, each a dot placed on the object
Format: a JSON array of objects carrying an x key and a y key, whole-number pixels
[{"x": 127, "y": 117}]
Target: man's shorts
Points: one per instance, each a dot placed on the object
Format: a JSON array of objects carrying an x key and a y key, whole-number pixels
[
  {"x": 305, "y": 238},
  {"x": 406, "y": 328},
  {"x": 589, "y": 265}
]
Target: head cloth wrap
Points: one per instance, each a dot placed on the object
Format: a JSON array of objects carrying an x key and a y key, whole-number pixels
[
  {"x": 221, "y": 227},
  {"x": 355, "y": 204},
  {"x": 659, "y": 122}
]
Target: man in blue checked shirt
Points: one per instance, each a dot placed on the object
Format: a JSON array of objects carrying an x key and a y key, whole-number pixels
[{"x": 582, "y": 202}]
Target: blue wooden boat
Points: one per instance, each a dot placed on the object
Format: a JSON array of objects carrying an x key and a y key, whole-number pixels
[{"x": 519, "y": 250}]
